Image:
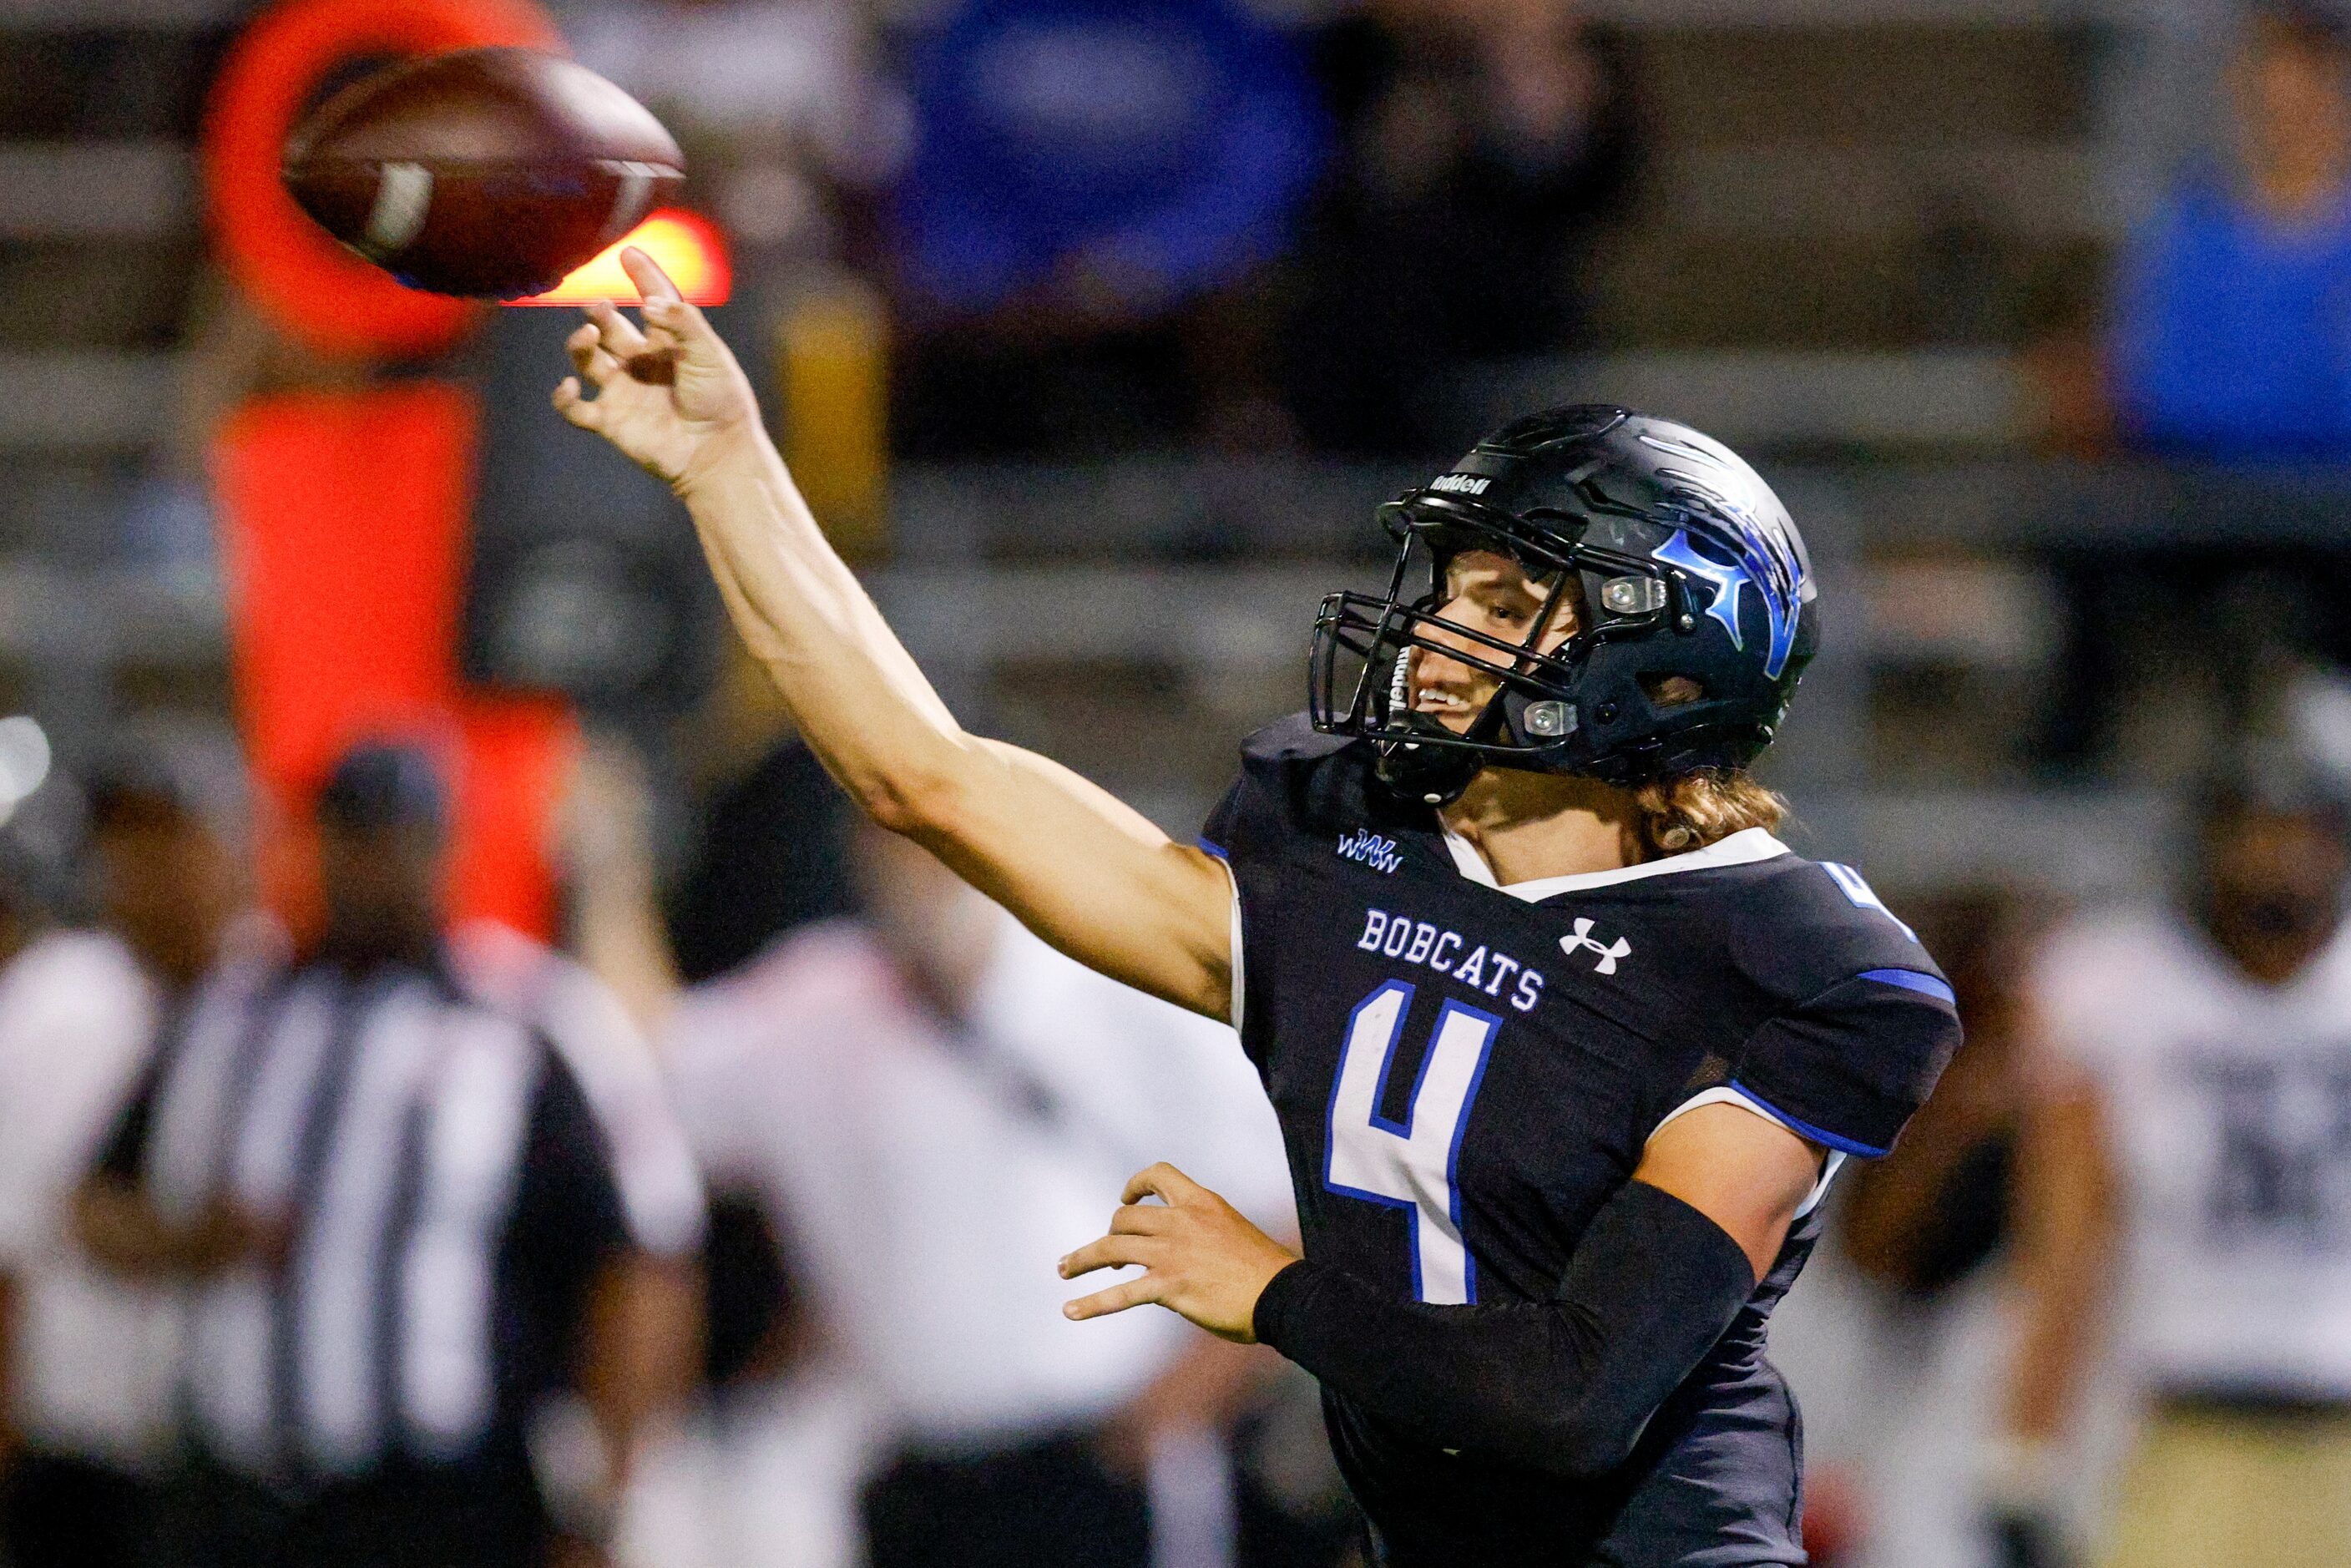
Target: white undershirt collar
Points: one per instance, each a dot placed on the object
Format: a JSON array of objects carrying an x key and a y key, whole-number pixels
[{"x": 1741, "y": 848}]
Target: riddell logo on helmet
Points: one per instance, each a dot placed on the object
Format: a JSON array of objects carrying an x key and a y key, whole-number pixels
[{"x": 1463, "y": 484}]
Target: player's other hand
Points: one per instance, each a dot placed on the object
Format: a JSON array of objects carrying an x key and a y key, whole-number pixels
[
  {"x": 668, "y": 394},
  {"x": 1200, "y": 1258}
]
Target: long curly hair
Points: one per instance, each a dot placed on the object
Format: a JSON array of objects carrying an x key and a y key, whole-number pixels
[{"x": 1692, "y": 810}]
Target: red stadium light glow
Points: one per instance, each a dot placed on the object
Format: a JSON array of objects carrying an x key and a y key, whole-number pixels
[{"x": 688, "y": 245}]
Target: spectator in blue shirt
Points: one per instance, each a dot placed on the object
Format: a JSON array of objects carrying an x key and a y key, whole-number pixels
[
  {"x": 2234, "y": 323},
  {"x": 1095, "y": 190}
]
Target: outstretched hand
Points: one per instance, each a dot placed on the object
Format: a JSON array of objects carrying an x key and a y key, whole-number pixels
[
  {"x": 1200, "y": 1257},
  {"x": 669, "y": 395}
]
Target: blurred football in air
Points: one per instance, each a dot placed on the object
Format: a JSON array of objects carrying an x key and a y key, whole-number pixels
[{"x": 490, "y": 172}]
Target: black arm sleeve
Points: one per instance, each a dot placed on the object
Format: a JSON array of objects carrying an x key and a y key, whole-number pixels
[{"x": 1565, "y": 1386}]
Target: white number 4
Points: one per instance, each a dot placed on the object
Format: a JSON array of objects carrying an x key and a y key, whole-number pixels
[
  {"x": 1410, "y": 1164},
  {"x": 1861, "y": 896}
]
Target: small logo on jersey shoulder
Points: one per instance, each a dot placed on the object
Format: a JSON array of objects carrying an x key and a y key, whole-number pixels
[
  {"x": 1368, "y": 848},
  {"x": 1462, "y": 484},
  {"x": 1584, "y": 941}
]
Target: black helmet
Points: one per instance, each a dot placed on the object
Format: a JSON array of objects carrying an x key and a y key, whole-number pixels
[{"x": 1685, "y": 563}]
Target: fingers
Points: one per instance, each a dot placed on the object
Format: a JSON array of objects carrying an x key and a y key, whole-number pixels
[
  {"x": 575, "y": 408},
  {"x": 1143, "y": 1219},
  {"x": 620, "y": 337},
  {"x": 595, "y": 362},
  {"x": 1117, "y": 1298},
  {"x": 1164, "y": 1181},
  {"x": 643, "y": 271},
  {"x": 611, "y": 342},
  {"x": 665, "y": 309},
  {"x": 1112, "y": 1252}
]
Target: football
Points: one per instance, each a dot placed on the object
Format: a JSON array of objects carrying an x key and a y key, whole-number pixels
[{"x": 487, "y": 173}]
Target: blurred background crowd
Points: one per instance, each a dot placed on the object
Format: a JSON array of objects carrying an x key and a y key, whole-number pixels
[{"x": 469, "y": 1094}]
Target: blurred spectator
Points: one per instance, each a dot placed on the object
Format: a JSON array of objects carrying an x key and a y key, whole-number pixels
[
  {"x": 1483, "y": 144},
  {"x": 782, "y": 106},
  {"x": 768, "y": 859},
  {"x": 930, "y": 1104},
  {"x": 86, "y": 1362},
  {"x": 27, "y": 908},
  {"x": 793, "y": 130},
  {"x": 1094, "y": 189},
  {"x": 1924, "y": 1220},
  {"x": 405, "y": 1218},
  {"x": 2233, "y": 340},
  {"x": 2187, "y": 1180},
  {"x": 1898, "y": 1392},
  {"x": 769, "y": 848}
]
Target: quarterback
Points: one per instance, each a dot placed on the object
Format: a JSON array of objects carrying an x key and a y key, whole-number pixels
[{"x": 1564, "y": 1043}]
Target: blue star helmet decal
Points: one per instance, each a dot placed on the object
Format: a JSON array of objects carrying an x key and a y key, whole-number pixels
[{"x": 1761, "y": 554}]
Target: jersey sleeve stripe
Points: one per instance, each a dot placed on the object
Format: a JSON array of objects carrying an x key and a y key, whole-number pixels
[
  {"x": 1911, "y": 980},
  {"x": 1215, "y": 848},
  {"x": 1819, "y": 1135}
]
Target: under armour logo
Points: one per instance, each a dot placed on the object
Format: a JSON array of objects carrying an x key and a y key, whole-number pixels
[{"x": 1609, "y": 952}]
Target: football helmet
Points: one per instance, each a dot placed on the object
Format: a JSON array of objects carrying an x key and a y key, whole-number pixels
[{"x": 1677, "y": 559}]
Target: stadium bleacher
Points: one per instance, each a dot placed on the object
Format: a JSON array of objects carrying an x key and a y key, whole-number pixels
[{"x": 1856, "y": 223}]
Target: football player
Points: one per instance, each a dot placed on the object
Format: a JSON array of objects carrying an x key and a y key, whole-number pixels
[
  {"x": 1566, "y": 1045},
  {"x": 2187, "y": 1188}
]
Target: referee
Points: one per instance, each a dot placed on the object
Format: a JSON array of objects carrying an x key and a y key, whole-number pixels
[{"x": 406, "y": 1232}]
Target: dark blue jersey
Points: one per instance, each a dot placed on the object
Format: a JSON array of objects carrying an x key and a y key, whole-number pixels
[{"x": 1465, "y": 1074}]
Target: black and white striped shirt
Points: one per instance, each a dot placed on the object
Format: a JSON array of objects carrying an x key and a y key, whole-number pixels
[{"x": 451, "y": 1181}]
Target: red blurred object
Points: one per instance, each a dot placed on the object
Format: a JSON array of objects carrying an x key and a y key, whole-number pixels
[
  {"x": 689, "y": 246},
  {"x": 309, "y": 286},
  {"x": 516, "y": 757},
  {"x": 344, "y": 529},
  {"x": 345, "y": 516}
]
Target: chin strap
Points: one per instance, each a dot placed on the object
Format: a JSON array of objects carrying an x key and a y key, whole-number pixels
[
  {"x": 1425, "y": 775},
  {"x": 1430, "y": 775}
]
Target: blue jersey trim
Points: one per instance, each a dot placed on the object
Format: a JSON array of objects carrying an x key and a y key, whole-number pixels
[
  {"x": 1818, "y": 1134},
  {"x": 1912, "y": 980},
  {"x": 1214, "y": 848}
]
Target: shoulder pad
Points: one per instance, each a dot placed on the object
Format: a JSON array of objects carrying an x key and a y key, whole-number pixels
[
  {"x": 1866, "y": 1020},
  {"x": 1285, "y": 788},
  {"x": 1291, "y": 738},
  {"x": 1807, "y": 925}
]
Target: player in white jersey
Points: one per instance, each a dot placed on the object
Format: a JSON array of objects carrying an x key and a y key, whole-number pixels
[{"x": 2195, "y": 1182}]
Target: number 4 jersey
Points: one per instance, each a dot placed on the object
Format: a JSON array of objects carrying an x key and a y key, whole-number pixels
[{"x": 1465, "y": 1074}]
